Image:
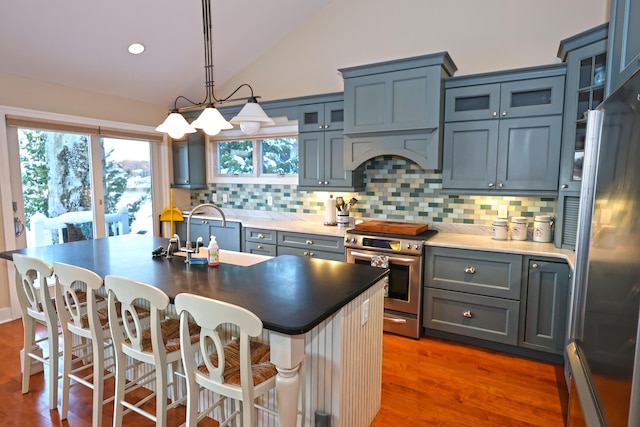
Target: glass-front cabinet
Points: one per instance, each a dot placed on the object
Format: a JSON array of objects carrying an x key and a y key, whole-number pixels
[{"x": 586, "y": 57}]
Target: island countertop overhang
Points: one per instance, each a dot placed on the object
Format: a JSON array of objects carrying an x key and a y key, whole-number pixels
[{"x": 290, "y": 294}]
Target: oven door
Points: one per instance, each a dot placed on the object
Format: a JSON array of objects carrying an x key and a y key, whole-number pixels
[{"x": 404, "y": 292}]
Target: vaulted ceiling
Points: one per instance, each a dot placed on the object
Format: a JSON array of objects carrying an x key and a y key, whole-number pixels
[{"x": 83, "y": 43}]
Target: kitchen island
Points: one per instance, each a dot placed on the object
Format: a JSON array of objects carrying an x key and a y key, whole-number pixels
[{"x": 326, "y": 314}]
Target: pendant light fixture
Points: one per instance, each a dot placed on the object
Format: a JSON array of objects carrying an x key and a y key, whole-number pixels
[{"x": 250, "y": 118}]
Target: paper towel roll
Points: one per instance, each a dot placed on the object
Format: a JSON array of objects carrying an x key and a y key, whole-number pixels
[{"x": 330, "y": 212}]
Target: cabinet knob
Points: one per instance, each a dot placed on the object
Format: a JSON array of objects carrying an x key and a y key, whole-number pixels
[
  {"x": 320, "y": 127},
  {"x": 319, "y": 182},
  {"x": 326, "y": 126},
  {"x": 500, "y": 185},
  {"x": 467, "y": 313},
  {"x": 306, "y": 253},
  {"x": 564, "y": 186},
  {"x": 260, "y": 247},
  {"x": 326, "y": 183},
  {"x": 494, "y": 114},
  {"x": 309, "y": 242},
  {"x": 470, "y": 270},
  {"x": 311, "y": 254},
  {"x": 260, "y": 236},
  {"x": 534, "y": 265},
  {"x": 504, "y": 113},
  {"x": 491, "y": 185}
]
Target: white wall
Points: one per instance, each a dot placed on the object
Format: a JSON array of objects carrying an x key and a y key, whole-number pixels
[{"x": 480, "y": 36}]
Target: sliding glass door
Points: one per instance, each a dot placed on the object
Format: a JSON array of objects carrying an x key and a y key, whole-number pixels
[{"x": 80, "y": 186}]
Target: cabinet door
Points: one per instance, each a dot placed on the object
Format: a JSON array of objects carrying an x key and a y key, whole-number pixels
[
  {"x": 335, "y": 174},
  {"x": 479, "y": 102},
  {"x": 311, "y": 152},
  {"x": 533, "y": 97},
  {"x": 189, "y": 162},
  {"x": 321, "y": 116},
  {"x": 584, "y": 91},
  {"x": 470, "y": 155},
  {"x": 624, "y": 42},
  {"x": 529, "y": 153},
  {"x": 546, "y": 309},
  {"x": 228, "y": 237},
  {"x": 180, "y": 162}
]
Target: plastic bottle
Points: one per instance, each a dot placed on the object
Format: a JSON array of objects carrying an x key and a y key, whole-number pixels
[{"x": 213, "y": 248}]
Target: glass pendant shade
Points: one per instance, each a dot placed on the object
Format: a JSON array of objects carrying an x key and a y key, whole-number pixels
[
  {"x": 211, "y": 121},
  {"x": 176, "y": 126},
  {"x": 251, "y": 118}
]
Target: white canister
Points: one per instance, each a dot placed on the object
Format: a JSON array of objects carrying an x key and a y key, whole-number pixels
[
  {"x": 542, "y": 228},
  {"x": 500, "y": 229},
  {"x": 519, "y": 226}
]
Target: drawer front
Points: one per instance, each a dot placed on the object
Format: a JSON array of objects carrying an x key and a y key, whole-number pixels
[
  {"x": 260, "y": 248},
  {"x": 260, "y": 235},
  {"x": 315, "y": 242},
  {"x": 487, "y": 318},
  {"x": 483, "y": 273},
  {"x": 311, "y": 253}
]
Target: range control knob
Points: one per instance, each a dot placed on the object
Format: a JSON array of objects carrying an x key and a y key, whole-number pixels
[
  {"x": 408, "y": 245},
  {"x": 417, "y": 246}
]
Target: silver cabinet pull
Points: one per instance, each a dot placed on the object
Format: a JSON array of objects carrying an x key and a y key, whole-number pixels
[
  {"x": 491, "y": 185},
  {"x": 467, "y": 313},
  {"x": 564, "y": 186},
  {"x": 504, "y": 113},
  {"x": 260, "y": 247},
  {"x": 309, "y": 242},
  {"x": 470, "y": 270},
  {"x": 494, "y": 114},
  {"x": 306, "y": 253},
  {"x": 500, "y": 185},
  {"x": 326, "y": 183},
  {"x": 319, "y": 182},
  {"x": 260, "y": 236},
  {"x": 311, "y": 254},
  {"x": 534, "y": 265}
]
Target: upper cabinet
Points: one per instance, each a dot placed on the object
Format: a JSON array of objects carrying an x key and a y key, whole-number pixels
[
  {"x": 395, "y": 108},
  {"x": 321, "y": 146},
  {"x": 189, "y": 162},
  {"x": 624, "y": 42},
  {"x": 502, "y": 134},
  {"x": 586, "y": 56},
  {"x": 321, "y": 117}
]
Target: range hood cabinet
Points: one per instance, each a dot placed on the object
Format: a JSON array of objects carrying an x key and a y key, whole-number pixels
[{"x": 396, "y": 108}]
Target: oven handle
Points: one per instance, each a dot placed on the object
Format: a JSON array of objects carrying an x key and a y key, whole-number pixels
[
  {"x": 391, "y": 258},
  {"x": 394, "y": 320}
]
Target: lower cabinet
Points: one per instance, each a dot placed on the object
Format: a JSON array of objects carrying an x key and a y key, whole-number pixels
[
  {"x": 497, "y": 297},
  {"x": 260, "y": 241},
  {"x": 272, "y": 243},
  {"x": 545, "y": 318},
  {"x": 228, "y": 237},
  {"x": 311, "y": 245}
]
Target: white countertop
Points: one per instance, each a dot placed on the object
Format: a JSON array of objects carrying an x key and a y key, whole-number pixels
[{"x": 449, "y": 235}]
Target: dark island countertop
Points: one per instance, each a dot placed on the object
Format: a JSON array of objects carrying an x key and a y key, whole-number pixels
[{"x": 290, "y": 294}]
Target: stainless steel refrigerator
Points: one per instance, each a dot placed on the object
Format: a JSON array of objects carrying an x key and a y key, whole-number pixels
[{"x": 604, "y": 354}]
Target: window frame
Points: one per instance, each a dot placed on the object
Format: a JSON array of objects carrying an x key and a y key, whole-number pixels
[{"x": 257, "y": 177}]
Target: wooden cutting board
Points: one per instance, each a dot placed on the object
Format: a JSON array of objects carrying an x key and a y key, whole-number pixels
[{"x": 396, "y": 227}]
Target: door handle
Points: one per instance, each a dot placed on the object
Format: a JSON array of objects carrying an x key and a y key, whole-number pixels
[
  {"x": 19, "y": 226},
  {"x": 394, "y": 320}
]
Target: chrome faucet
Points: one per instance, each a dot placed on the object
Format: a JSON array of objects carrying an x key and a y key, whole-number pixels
[{"x": 187, "y": 249}]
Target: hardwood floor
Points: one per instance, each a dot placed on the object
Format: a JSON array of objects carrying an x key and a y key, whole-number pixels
[{"x": 426, "y": 382}]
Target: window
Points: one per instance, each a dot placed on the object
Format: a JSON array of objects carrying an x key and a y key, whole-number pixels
[{"x": 272, "y": 159}]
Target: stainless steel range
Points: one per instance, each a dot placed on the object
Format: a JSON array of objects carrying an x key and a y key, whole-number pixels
[{"x": 403, "y": 255}]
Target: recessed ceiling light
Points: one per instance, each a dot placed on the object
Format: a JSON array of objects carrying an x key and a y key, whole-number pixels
[{"x": 136, "y": 48}]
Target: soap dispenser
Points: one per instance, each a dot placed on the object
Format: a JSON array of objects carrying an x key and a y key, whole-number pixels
[{"x": 213, "y": 249}]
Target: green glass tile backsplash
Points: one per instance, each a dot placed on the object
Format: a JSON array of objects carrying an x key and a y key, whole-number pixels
[{"x": 395, "y": 189}]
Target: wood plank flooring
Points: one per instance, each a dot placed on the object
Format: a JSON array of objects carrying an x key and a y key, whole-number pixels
[{"x": 426, "y": 382}]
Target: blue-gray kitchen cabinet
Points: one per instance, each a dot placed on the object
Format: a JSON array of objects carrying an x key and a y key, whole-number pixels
[
  {"x": 547, "y": 295},
  {"x": 624, "y": 42},
  {"x": 311, "y": 245},
  {"x": 321, "y": 166},
  {"x": 189, "y": 162},
  {"x": 503, "y": 131},
  {"x": 260, "y": 241},
  {"x": 473, "y": 293},
  {"x": 395, "y": 107},
  {"x": 506, "y": 157},
  {"x": 321, "y": 116},
  {"x": 586, "y": 56}
]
